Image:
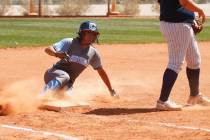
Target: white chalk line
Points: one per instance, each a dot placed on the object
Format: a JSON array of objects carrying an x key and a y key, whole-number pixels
[
  {"x": 173, "y": 125},
  {"x": 44, "y": 133},
  {"x": 66, "y": 137}
]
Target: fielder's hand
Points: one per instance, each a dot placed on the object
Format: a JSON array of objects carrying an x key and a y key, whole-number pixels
[{"x": 114, "y": 94}]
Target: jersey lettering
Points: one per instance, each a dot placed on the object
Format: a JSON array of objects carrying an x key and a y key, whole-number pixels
[{"x": 79, "y": 60}]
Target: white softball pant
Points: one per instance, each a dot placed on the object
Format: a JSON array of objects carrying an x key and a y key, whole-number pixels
[{"x": 182, "y": 45}]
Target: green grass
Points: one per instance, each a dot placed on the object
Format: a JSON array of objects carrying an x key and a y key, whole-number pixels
[{"x": 17, "y": 32}]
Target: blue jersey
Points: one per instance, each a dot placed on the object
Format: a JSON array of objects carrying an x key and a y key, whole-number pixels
[{"x": 172, "y": 11}]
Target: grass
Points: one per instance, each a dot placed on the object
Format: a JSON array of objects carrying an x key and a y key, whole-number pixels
[{"x": 17, "y": 32}]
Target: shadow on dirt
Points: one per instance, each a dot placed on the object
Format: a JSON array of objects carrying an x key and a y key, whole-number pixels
[{"x": 120, "y": 111}]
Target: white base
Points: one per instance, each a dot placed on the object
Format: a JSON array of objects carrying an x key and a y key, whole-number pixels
[{"x": 60, "y": 105}]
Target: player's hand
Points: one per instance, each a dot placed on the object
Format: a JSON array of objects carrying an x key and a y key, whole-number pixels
[
  {"x": 202, "y": 15},
  {"x": 60, "y": 55},
  {"x": 114, "y": 94}
]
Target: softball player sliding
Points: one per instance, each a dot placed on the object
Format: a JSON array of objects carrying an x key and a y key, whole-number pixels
[
  {"x": 176, "y": 17},
  {"x": 75, "y": 55}
]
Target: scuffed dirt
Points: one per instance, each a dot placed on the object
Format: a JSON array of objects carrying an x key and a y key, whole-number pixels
[{"x": 135, "y": 72}]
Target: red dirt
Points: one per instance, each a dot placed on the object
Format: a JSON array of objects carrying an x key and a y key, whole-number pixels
[{"x": 135, "y": 72}]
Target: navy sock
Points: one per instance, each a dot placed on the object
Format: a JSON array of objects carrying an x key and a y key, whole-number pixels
[
  {"x": 169, "y": 79},
  {"x": 193, "y": 78}
]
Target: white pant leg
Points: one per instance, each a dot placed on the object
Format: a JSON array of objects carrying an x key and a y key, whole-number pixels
[
  {"x": 193, "y": 57},
  {"x": 178, "y": 36}
]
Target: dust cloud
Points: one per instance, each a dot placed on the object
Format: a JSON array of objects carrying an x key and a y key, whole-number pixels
[
  {"x": 24, "y": 96},
  {"x": 20, "y": 97}
]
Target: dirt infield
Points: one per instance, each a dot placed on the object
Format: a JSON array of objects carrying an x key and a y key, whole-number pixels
[{"x": 135, "y": 72}]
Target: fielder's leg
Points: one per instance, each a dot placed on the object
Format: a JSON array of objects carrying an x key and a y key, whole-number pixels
[
  {"x": 193, "y": 60},
  {"x": 193, "y": 79},
  {"x": 177, "y": 37},
  {"x": 169, "y": 79},
  {"x": 195, "y": 96}
]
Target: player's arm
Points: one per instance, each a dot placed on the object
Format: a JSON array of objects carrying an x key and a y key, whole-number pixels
[
  {"x": 60, "y": 48},
  {"x": 96, "y": 64},
  {"x": 104, "y": 77},
  {"x": 51, "y": 51},
  {"x": 107, "y": 82},
  {"x": 192, "y": 6}
]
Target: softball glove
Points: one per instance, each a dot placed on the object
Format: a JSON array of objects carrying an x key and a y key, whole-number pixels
[{"x": 197, "y": 26}]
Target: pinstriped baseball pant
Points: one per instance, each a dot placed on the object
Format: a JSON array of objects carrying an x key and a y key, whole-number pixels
[{"x": 182, "y": 45}]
